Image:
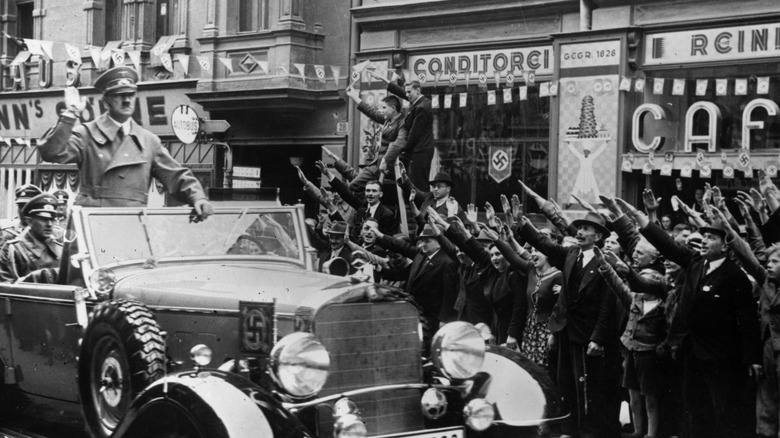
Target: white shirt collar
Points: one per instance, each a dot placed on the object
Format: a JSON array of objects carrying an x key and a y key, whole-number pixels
[
  {"x": 587, "y": 255},
  {"x": 125, "y": 126},
  {"x": 715, "y": 264}
]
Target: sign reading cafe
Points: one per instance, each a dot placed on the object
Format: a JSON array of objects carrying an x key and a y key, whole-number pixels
[{"x": 488, "y": 62}]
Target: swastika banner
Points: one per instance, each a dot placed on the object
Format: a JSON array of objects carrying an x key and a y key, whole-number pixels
[{"x": 500, "y": 162}]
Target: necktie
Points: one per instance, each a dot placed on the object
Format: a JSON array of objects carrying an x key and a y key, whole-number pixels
[
  {"x": 706, "y": 267},
  {"x": 580, "y": 259},
  {"x": 120, "y": 135}
]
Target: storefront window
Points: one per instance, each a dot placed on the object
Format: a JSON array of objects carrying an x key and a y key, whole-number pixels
[{"x": 467, "y": 136}]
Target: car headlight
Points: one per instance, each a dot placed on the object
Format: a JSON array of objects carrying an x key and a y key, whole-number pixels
[
  {"x": 479, "y": 414},
  {"x": 300, "y": 364},
  {"x": 458, "y": 350},
  {"x": 201, "y": 355}
]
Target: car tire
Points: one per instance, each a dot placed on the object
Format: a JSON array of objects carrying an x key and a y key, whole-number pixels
[{"x": 122, "y": 352}]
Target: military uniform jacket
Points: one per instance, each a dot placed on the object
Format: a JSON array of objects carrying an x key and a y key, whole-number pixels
[
  {"x": 117, "y": 172},
  {"x": 26, "y": 254}
]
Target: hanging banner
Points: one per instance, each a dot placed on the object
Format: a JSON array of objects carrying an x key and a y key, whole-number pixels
[
  {"x": 167, "y": 62},
  {"x": 184, "y": 61},
  {"x": 319, "y": 70},
  {"x": 73, "y": 53},
  {"x": 135, "y": 58},
  {"x": 500, "y": 162}
]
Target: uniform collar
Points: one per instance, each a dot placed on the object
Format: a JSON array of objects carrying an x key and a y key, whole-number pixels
[{"x": 110, "y": 127}]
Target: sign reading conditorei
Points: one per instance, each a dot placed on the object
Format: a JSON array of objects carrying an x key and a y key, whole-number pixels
[{"x": 489, "y": 62}]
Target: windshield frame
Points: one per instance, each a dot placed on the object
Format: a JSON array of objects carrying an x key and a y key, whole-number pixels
[{"x": 88, "y": 247}]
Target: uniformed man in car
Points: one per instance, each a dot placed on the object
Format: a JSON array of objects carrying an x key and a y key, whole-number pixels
[
  {"x": 117, "y": 158},
  {"x": 62, "y": 206},
  {"x": 23, "y": 194},
  {"x": 34, "y": 255}
]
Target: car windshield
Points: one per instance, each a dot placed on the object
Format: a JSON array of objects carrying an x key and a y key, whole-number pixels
[{"x": 140, "y": 235}]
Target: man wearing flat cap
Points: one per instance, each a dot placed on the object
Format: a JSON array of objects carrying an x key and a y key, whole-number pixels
[
  {"x": 34, "y": 252},
  {"x": 116, "y": 156}
]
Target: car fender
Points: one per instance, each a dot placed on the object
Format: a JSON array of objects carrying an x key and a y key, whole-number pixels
[
  {"x": 218, "y": 404},
  {"x": 520, "y": 391}
]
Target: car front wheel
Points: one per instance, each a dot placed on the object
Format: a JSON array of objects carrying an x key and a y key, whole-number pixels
[{"x": 122, "y": 352}]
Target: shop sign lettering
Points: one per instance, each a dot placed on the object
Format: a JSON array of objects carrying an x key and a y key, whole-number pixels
[
  {"x": 488, "y": 62},
  {"x": 707, "y": 45},
  {"x": 590, "y": 54},
  {"x": 709, "y": 138}
]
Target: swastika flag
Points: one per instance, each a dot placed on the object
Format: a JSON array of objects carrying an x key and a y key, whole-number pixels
[{"x": 500, "y": 163}]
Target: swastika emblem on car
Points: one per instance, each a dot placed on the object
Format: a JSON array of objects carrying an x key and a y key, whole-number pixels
[
  {"x": 500, "y": 160},
  {"x": 255, "y": 329}
]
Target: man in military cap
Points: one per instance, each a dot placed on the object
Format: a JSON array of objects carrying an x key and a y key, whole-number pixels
[
  {"x": 116, "y": 156},
  {"x": 23, "y": 194},
  {"x": 34, "y": 254},
  {"x": 62, "y": 206}
]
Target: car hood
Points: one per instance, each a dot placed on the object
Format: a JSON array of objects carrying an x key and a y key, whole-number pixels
[{"x": 220, "y": 286}]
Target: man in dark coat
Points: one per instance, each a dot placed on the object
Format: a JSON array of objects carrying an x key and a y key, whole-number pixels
[
  {"x": 335, "y": 248},
  {"x": 433, "y": 278},
  {"x": 584, "y": 328},
  {"x": 418, "y": 122},
  {"x": 715, "y": 329},
  {"x": 117, "y": 158},
  {"x": 34, "y": 251},
  {"x": 368, "y": 207}
]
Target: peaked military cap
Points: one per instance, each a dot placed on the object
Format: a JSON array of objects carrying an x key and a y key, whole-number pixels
[
  {"x": 43, "y": 205},
  {"x": 62, "y": 196},
  {"x": 117, "y": 80},
  {"x": 26, "y": 192}
]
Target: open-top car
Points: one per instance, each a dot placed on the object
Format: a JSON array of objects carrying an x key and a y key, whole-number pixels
[{"x": 162, "y": 325}]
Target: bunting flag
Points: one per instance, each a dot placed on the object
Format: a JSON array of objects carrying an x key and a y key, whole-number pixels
[
  {"x": 33, "y": 46},
  {"x": 263, "y": 66},
  {"x": 453, "y": 78},
  {"x": 301, "y": 70},
  {"x": 544, "y": 89},
  {"x": 523, "y": 92},
  {"x": 21, "y": 57},
  {"x": 701, "y": 87},
  {"x": 507, "y": 95},
  {"x": 447, "y": 101},
  {"x": 658, "y": 86},
  {"x": 319, "y": 70},
  {"x": 435, "y": 101},
  {"x": 639, "y": 85},
  {"x": 462, "y": 99},
  {"x": 167, "y": 62},
  {"x": 228, "y": 63},
  {"x": 625, "y": 84},
  {"x": 336, "y": 70},
  {"x": 497, "y": 78},
  {"x": 184, "y": 61},
  {"x": 762, "y": 85},
  {"x": 360, "y": 66},
  {"x": 407, "y": 73},
  {"x": 721, "y": 87},
  {"x": 491, "y": 97},
  {"x": 554, "y": 88},
  {"x": 205, "y": 64},
  {"x": 467, "y": 77},
  {"x": 74, "y": 53},
  {"x": 135, "y": 58},
  {"x": 510, "y": 79},
  {"x": 678, "y": 87},
  {"x": 529, "y": 76},
  {"x": 482, "y": 79},
  {"x": 740, "y": 87},
  {"x": 436, "y": 78},
  {"x": 118, "y": 57},
  {"x": 8, "y": 142},
  {"x": 47, "y": 47},
  {"x": 94, "y": 53}
]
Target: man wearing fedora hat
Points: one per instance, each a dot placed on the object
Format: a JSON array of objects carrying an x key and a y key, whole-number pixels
[
  {"x": 335, "y": 248},
  {"x": 584, "y": 327},
  {"x": 35, "y": 249},
  {"x": 714, "y": 330},
  {"x": 441, "y": 185},
  {"x": 432, "y": 280},
  {"x": 117, "y": 158}
]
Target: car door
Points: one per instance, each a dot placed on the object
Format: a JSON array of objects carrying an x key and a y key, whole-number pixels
[{"x": 39, "y": 337}]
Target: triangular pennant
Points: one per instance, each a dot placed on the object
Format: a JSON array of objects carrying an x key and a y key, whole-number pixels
[
  {"x": 436, "y": 78},
  {"x": 135, "y": 58},
  {"x": 701, "y": 86},
  {"x": 467, "y": 77},
  {"x": 205, "y": 64},
  {"x": 523, "y": 92},
  {"x": 435, "y": 101},
  {"x": 447, "y": 101},
  {"x": 21, "y": 57},
  {"x": 507, "y": 95},
  {"x": 301, "y": 70},
  {"x": 319, "y": 70},
  {"x": 544, "y": 89},
  {"x": 491, "y": 97},
  {"x": 74, "y": 54},
  {"x": 360, "y": 66},
  {"x": 118, "y": 57},
  {"x": 263, "y": 66},
  {"x": 678, "y": 87},
  {"x": 407, "y": 74},
  {"x": 497, "y": 78},
  {"x": 94, "y": 53},
  {"x": 227, "y": 62},
  {"x": 8, "y": 142},
  {"x": 47, "y": 48},
  {"x": 762, "y": 85},
  {"x": 33, "y": 46},
  {"x": 167, "y": 62},
  {"x": 462, "y": 99},
  {"x": 336, "y": 70},
  {"x": 184, "y": 61},
  {"x": 554, "y": 88}
]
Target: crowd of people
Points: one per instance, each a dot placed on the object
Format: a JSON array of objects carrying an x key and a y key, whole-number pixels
[{"x": 679, "y": 314}]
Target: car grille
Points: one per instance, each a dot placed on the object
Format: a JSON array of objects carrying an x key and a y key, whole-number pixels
[{"x": 372, "y": 344}]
